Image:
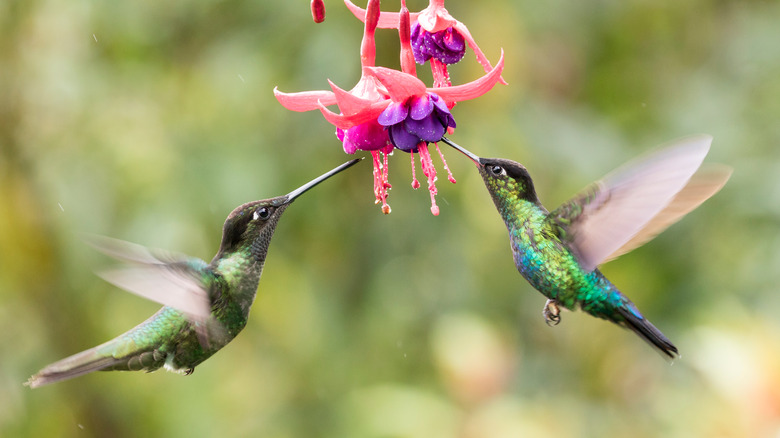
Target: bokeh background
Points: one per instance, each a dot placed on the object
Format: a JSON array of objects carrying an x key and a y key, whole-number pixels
[{"x": 150, "y": 121}]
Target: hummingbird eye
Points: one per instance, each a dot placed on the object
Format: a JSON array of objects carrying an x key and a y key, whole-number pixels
[
  {"x": 497, "y": 170},
  {"x": 262, "y": 213}
]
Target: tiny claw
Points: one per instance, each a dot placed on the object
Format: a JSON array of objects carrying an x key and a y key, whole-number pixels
[
  {"x": 551, "y": 313},
  {"x": 189, "y": 371}
]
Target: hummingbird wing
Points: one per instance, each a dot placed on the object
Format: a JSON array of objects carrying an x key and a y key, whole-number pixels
[
  {"x": 707, "y": 181},
  {"x": 612, "y": 211},
  {"x": 171, "y": 279}
]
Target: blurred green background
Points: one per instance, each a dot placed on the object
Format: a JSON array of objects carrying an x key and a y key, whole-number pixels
[{"x": 150, "y": 121}]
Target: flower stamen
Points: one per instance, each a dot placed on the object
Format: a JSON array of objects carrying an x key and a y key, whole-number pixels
[
  {"x": 430, "y": 172},
  {"x": 447, "y": 168},
  {"x": 381, "y": 184},
  {"x": 415, "y": 183},
  {"x": 318, "y": 11}
]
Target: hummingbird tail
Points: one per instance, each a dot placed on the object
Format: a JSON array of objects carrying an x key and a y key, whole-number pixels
[
  {"x": 74, "y": 366},
  {"x": 647, "y": 331}
]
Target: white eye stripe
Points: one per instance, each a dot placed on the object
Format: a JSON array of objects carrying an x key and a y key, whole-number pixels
[{"x": 255, "y": 215}]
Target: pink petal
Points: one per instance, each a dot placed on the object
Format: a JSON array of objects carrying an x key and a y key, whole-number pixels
[
  {"x": 370, "y": 112},
  {"x": 369, "y": 87},
  {"x": 387, "y": 20},
  {"x": 481, "y": 58},
  {"x": 368, "y": 45},
  {"x": 435, "y": 18},
  {"x": 472, "y": 89},
  {"x": 404, "y": 35},
  {"x": 304, "y": 100},
  {"x": 399, "y": 85},
  {"x": 348, "y": 103}
]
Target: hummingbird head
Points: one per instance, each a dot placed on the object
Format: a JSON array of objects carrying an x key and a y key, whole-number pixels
[
  {"x": 506, "y": 180},
  {"x": 251, "y": 225}
]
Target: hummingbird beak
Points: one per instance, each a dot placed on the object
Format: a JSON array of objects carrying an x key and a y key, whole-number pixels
[
  {"x": 471, "y": 156},
  {"x": 290, "y": 197}
]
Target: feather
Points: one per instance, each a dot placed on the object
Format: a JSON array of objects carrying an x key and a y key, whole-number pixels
[
  {"x": 609, "y": 213},
  {"x": 171, "y": 279},
  {"x": 703, "y": 184},
  {"x": 73, "y": 366},
  {"x": 172, "y": 285}
]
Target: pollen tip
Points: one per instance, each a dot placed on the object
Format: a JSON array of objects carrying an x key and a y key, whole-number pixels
[{"x": 318, "y": 11}]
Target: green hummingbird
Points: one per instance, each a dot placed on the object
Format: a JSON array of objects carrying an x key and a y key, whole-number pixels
[
  {"x": 205, "y": 304},
  {"x": 558, "y": 252}
]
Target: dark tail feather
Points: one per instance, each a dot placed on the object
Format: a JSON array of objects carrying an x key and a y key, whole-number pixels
[
  {"x": 73, "y": 366},
  {"x": 648, "y": 332}
]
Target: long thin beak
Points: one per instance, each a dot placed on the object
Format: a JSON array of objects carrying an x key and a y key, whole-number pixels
[
  {"x": 302, "y": 189},
  {"x": 473, "y": 157}
]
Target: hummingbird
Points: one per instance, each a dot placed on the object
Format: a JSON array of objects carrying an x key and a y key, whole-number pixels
[
  {"x": 559, "y": 252},
  {"x": 205, "y": 304}
]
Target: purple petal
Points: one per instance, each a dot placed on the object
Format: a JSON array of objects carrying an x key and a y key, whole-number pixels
[
  {"x": 430, "y": 47},
  {"x": 448, "y": 57},
  {"x": 442, "y": 112},
  {"x": 420, "y": 55},
  {"x": 429, "y": 129},
  {"x": 441, "y": 105},
  {"x": 453, "y": 41},
  {"x": 421, "y": 107},
  {"x": 446, "y": 120},
  {"x": 448, "y": 46},
  {"x": 402, "y": 139},
  {"x": 367, "y": 136},
  {"x": 349, "y": 147},
  {"x": 395, "y": 113},
  {"x": 451, "y": 122}
]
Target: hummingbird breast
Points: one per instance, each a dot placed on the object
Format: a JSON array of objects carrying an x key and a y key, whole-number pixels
[{"x": 548, "y": 265}]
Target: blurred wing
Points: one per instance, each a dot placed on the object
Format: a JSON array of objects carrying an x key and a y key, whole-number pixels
[
  {"x": 175, "y": 285},
  {"x": 130, "y": 252},
  {"x": 167, "y": 278},
  {"x": 608, "y": 214},
  {"x": 171, "y": 279},
  {"x": 702, "y": 185}
]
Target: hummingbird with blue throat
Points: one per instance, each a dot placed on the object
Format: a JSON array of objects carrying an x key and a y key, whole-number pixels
[
  {"x": 558, "y": 252},
  {"x": 205, "y": 304}
]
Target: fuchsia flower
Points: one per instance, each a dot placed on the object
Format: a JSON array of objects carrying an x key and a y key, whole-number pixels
[
  {"x": 448, "y": 45},
  {"x": 419, "y": 118},
  {"x": 436, "y": 36},
  {"x": 390, "y": 109}
]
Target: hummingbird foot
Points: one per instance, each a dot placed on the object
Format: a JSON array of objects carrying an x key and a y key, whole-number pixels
[{"x": 551, "y": 313}]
